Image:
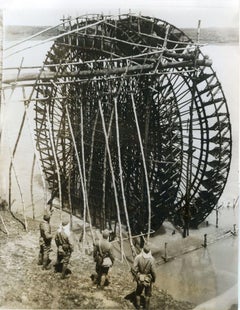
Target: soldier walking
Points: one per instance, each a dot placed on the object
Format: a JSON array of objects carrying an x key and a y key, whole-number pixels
[
  {"x": 45, "y": 242},
  {"x": 64, "y": 248},
  {"x": 103, "y": 256},
  {"x": 144, "y": 271}
]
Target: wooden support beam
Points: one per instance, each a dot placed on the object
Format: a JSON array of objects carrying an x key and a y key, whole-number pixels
[{"x": 48, "y": 75}]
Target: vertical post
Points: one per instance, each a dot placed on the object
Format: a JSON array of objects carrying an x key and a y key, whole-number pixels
[
  {"x": 31, "y": 186},
  {"x": 234, "y": 230},
  {"x": 205, "y": 241},
  {"x": 217, "y": 216},
  {"x": 198, "y": 30},
  {"x": 165, "y": 252},
  {"x": 144, "y": 165},
  {"x": 1, "y": 57},
  {"x": 190, "y": 141}
]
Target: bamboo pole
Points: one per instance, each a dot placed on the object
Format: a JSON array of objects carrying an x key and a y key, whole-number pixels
[
  {"x": 113, "y": 177},
  {"x": 117, "y": 71},
  {"x": 83, "y": 162},
  {"x": 1, "y": 69},
  {"x": 121, "y": 177},
  {"x": 144, "y": 165},
  {"x": 11, "y": 166},
  {"x": 134, "y": 236},
  {"x": 91, "y": 152},
  {"x": 33, "y": 36},
  {"x": 55, "y": 37},
  {"x": 5, "y": 227},
  {"x": 16, "y": 143},
  {"x": 69, "y": 197},
  {"x": 105, "y": 171},
  {"x": 109, "y": 60},
  {"x": 19, "y": 132},
  {"x": 36, "y": 157},
  {"x": 80, "y": 175},
  {"x": 56, "y": 161},
  {"x": 21, "y": 195},
  {"x": 107, "y": 78},
  {"x": 31, "y": 186},
  {"x": 84, "y": 171},
  {"x": 163, "y": 48}
]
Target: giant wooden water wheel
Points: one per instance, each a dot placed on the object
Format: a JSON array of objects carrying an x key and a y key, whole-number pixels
[{"x": 132, "y": 123}]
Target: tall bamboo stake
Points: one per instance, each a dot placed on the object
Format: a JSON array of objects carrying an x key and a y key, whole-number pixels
[
  {"x": 55, "y": 37},
  {"x": 104, "y": 189},
  {"x": 91, "y": 152},
  {"x": 84, "y": 171},
  {"x": 113, "y": 177},
  {"x": 55, "y": 160},
  {"x": 83, "y": 160},
  {"x": 1, "y": 69},
  {"x": 69, "y": 197},
  {"x": 21, "y": 195},
  {"x": 31, "y": 187},
  {"x": 20, "y": 130},
  {"x": 36, "y": 154},
  {"x": 80, "y": 175},
  {"x": 121, "y": 177},
  {"x": 5, "y": 227},
  {"x": 105, "y": 172},
  {"x": 16, "y": 144},
  {"x": 144, "y": 165}
]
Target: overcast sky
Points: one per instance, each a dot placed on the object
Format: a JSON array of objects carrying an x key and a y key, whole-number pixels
[{"x": 181, "y": 13}]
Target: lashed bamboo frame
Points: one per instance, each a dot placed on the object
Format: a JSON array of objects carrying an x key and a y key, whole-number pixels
[{"x": 159, "y": 69}]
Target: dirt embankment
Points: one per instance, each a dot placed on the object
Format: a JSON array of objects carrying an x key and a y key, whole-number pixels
[{"x": 24, "y": 285}]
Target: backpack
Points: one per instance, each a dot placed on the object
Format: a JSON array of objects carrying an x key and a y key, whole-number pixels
[
  {"x": 144, "y": 279},
  {"x": 104, "y": 261}
]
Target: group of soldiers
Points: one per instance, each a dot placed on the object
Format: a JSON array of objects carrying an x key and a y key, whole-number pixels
[
  {"x": 63, "y": 242},
  {"x": 143, "y": 268}
]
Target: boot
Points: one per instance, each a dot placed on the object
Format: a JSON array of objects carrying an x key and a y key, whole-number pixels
[
  {"x": 138, "y": 302},
  {"x": 107, "y": 282},
  {"x": 40, "y": 258},
  {"x": 147, "y": 303},
  {"x": 46, "y": 263},
  {"x": 64, "y": 269},
  {"x": 102, "y": 282}
]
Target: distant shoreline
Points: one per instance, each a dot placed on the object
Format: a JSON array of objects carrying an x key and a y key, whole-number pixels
[{"x": 207, "y": 35}]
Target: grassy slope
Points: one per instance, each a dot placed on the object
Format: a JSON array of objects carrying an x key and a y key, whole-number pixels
[{"x": 24, "y": 285}]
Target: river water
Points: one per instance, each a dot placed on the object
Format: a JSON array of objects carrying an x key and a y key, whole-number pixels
[{"x": 197, "y": 276}]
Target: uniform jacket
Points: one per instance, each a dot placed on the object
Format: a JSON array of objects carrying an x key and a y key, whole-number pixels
[
  {"x": 104, "y": 248},
  {"x": 45, "y": 232},
  {"x": 64, "y": 241},
  {"x": 145, "y": 264}
]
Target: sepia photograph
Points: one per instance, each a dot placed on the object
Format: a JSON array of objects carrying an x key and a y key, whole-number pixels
[{"x": 119, "y": 154}]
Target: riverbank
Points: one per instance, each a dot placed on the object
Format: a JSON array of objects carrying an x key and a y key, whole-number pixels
[
  {"x": 24, "y": 285},
  {"x": 192, "y": 276}
]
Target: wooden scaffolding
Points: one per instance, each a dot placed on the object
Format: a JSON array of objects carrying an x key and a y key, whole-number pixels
[{"x": 131, "y": 122}]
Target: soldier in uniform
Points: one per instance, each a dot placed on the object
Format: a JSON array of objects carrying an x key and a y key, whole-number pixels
[
  {"x": 64, "y": 248},
  {"x": 102, "y": 250},
  {"x": 45, "y": 242},
  {"x": 144, "y": 271}
]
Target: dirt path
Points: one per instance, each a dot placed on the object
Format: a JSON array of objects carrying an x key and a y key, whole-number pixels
[{"x": 24, "y": 285}]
